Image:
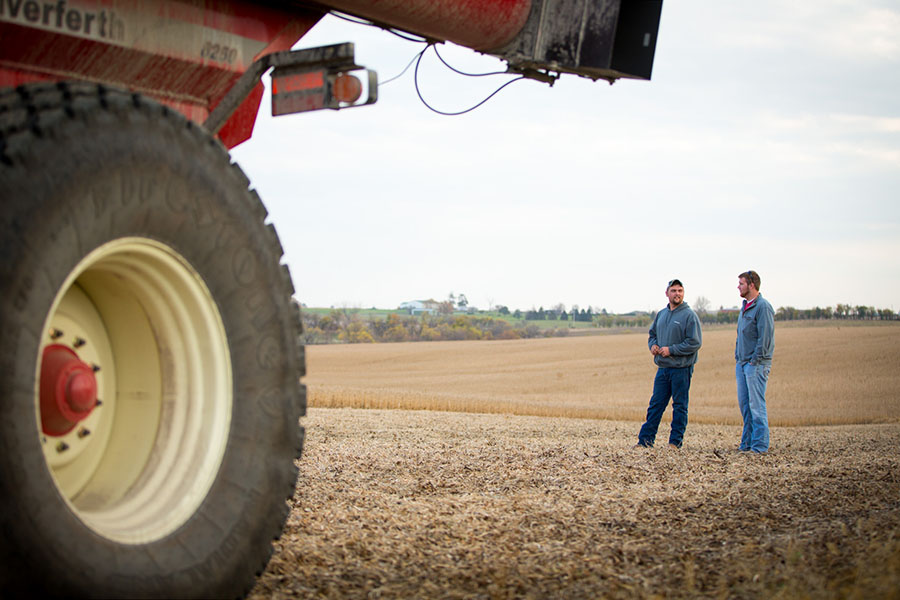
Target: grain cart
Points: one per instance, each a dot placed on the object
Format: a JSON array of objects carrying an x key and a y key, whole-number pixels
[{"x": 149, "y": 360}]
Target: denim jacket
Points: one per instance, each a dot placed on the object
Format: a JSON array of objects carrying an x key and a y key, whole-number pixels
[
  {"x": 678, "y": 329},
  {"x": 755, "y": 333}
]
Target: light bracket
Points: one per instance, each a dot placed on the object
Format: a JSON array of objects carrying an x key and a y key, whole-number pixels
[{"x": 304, "y": 79}]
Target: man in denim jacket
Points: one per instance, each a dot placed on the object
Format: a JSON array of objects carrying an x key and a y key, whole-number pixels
[
  {"x": 674, "y": 341},
  {"x": 753, "y": 361}
]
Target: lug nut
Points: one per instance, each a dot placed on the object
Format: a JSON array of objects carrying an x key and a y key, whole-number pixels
[
  {"x": 95, "y": 368},
  {"x": 55, "y": 334},
  {"x": 79, "y": 342},
  {"x": 83, "y": 433},
  {"x": 62, "y": 447}
]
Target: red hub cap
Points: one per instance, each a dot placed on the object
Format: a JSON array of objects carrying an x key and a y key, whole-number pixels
[{"x": 68, "y": 390}]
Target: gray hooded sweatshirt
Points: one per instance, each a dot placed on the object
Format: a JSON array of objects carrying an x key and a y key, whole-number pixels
[{"x": 678, "y": 329}]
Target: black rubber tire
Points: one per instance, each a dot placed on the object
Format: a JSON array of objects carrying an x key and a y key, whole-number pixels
[{"x": 82, "y": 165}]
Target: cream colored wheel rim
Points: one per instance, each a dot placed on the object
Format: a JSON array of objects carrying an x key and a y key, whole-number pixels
[{"x": 141, "y": 464}]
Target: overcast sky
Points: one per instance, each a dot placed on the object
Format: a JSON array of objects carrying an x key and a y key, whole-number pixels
[{"x": 768, "y": 139}]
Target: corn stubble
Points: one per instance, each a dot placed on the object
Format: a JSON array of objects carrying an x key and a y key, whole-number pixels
[
  {"x": 430, "y": 504},
  {"x": 427, "y": 504}
]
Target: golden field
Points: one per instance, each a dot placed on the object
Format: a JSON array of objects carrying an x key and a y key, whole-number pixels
[{"x": 822, "y": 374}]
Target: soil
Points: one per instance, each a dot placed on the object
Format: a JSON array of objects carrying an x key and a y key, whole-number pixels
[{"x": 422, "y": 504}]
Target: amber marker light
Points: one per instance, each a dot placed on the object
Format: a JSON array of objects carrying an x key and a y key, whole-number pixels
[{"x": 346, "y": 88}]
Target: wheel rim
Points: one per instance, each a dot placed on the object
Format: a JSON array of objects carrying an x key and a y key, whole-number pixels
[{"x": 139, "y": 464}]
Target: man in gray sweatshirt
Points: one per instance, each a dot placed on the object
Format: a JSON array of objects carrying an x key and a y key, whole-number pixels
[{"x": 674, "y": 341}]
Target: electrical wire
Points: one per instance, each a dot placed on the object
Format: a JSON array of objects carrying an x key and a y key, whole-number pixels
[
  {"x": 405, "y": 36},
  {"x": 418, "y": 59},
  {"x": 462, "y": 112},
  {"x": 455, "y": 70},
  {"x": 349, "y": 18},
  {"x": 393, "y": 30},
  {"x": 405, "y": 69}
]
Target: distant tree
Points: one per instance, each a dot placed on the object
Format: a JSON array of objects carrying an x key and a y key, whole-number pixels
[
  {"x": 397, "y": 333},
  {"x": 517, "y": 314},
  {"x": 342, "y": 317},
  {"x": 787, "y": 313},
  {"x": 462, "y": 301},
  {"x": 701, "y": 305},
  {"x": 503, "y": 310},
  {"x": 446, "y": 307},
  {"x": 326, "y": 323},
  {"x": 603, "y": 320},
  {"x": 356, "y": 333},
  {"x": 530, "y": 331},
  {"x": 727, "y": 316}
]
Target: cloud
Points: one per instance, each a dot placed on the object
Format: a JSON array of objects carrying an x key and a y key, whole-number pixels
[
  {"x": 870, "y": 34},
  {"x": 837, "y": 28},
  {"x": 868, "y": 124}
]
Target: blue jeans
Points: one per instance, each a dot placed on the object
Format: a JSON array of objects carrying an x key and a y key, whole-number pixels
[
  {"x": 672, "y": 383},
  {"x": 751, "y": 392}
]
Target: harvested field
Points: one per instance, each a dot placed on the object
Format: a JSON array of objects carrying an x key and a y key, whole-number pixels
[
  {"x": 428, "y": 504},
  {"x": 425, "y": 504},
  {"x": 822, "y": 375}
]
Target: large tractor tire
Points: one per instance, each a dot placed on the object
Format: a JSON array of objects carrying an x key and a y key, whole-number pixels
[{"x": 149, "y": 354}]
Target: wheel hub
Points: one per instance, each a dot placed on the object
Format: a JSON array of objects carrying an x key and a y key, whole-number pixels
[
  {"x": 68, "y": 390},
  {"x": 134, "y": 326}
]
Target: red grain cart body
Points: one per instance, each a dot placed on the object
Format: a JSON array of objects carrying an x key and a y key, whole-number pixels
[{"x": 149, "y": 357}]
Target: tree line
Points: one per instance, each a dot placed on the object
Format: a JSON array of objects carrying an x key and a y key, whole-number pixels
[
  {"x": 347, "y": 326},
  {"x": 841, "y": 311},
  {"x": 789, "y": 313},
  {"x": 557, "y": 313}
]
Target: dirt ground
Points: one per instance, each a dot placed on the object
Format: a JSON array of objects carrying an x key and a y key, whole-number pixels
[{"x": 420, "y": 504}]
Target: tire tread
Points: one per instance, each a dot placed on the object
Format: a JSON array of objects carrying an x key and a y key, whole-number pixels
[{"x": 36, "y": 114}]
